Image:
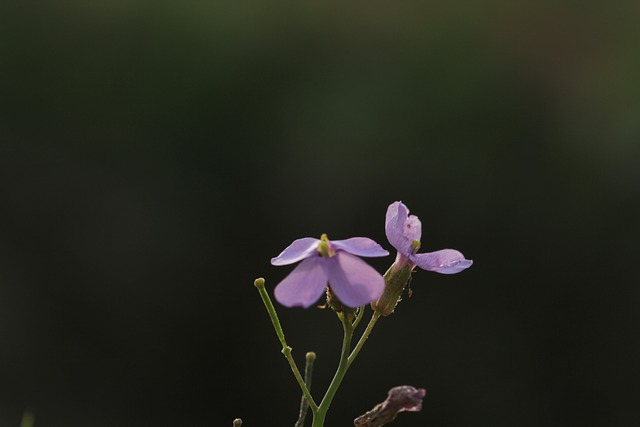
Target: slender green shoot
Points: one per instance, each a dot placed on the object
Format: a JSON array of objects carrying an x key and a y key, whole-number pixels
[
  {"x": 308, "y": 374},
  {"x": 374, "y": 318},
  {"x": 286, "y": 350}
]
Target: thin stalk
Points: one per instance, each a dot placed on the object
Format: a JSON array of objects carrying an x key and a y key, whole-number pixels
[
  {"x": 320, "y": 415},
  {"x": 286, "y": 350},
  {"x": 308, "y": 374},
  {"x": 27, "y": 419},
  {"x": 374, "y": 318},
  {"x": 359, "y": 316}
]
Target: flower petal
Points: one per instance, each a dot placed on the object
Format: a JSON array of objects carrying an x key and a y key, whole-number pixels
[
  {"x": 353, "y": 281},
  {"x": 361, "y": 246},
  {"x": 412, "y": 230},
  {"x": 296, "y": 251},
  {"x": 445, "y": 261},
  {"x": 402, "y": 229},
  {"x": 304, "y": 285},
  {"x": 397, "y": 214}
]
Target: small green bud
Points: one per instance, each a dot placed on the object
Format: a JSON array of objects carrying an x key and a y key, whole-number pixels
[
  {"x": 395, "y": 279},
  {"x": 258, "y": 282},
  {"x": 310, "y": 356},
  {"x": 237, "y": 422}
]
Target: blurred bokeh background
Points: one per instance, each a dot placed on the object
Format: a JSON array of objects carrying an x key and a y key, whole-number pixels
[{"x": 155, "y": 155}]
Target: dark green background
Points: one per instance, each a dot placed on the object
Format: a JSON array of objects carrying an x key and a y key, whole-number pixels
[{"x": 155, "y": 155}]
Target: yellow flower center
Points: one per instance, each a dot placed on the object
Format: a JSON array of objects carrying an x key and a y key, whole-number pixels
[{"x": 324, "y": 247}]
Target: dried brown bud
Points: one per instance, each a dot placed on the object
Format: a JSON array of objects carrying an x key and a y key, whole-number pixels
[{"x": 399, "y": 399}]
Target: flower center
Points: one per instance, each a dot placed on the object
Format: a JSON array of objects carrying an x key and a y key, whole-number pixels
[
  {"x": 324, "y": 247},
  {"x": 415, "y": 245}
]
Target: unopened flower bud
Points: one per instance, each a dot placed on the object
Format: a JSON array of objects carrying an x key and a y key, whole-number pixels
[
  {"x": 399, "y": 399},
  {"x": 395, "y": 279}
]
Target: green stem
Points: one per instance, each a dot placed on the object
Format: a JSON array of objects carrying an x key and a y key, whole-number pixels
[
  {"x": 363, "y": 338},
  {"x": 286, "y": 350},
  {"x": 308, "y": 374},
  {"x": 359, "y": 316},
  {"x": 320, "y": 415},
  {"x": 27, "y": 419}
]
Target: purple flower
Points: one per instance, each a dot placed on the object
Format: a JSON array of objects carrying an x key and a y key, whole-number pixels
[
  {"x": 404, "y": 232},
  {"x": 332, "y": 263}
]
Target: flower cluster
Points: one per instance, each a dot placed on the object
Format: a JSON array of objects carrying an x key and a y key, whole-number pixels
[{"x": 335, "y": 265}]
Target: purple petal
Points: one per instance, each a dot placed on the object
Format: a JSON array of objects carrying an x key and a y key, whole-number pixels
[
  {"x": 397, "y": 214},
  {"x": 299, "y": 249},
  {"x": 361, "y": 246},
  {"x": 304, "y": 285},
  {"x": 402, "y": 229},
  {"x": 412, "y": 229},
  {"x": 445, "y": 261},
  {"x": 353, "y": 281}
]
